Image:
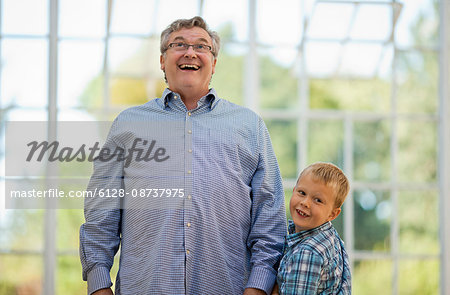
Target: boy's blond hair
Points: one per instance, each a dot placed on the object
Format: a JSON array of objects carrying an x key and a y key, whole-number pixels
[{"x": 332, "y": 176}]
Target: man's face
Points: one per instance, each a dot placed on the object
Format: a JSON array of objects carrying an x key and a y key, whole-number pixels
[
  {"x": 188, "y": 70},
  {"x": 312, "y": 203}
]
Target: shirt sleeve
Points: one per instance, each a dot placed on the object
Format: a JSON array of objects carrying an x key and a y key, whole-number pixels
[
  {"x": 100, "y": 234},
  {"x": 346, "y": 286},
  {"x": 302, "y": 274},
  {"x": 268, "y": 229}
]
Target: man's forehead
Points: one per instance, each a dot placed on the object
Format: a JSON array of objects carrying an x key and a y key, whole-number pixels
[{"x": 195, "y": 33}]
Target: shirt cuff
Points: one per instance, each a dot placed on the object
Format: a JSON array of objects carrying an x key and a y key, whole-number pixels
[
  {"x": 262, "y": 278},
  {"x": 98, "y": 278}
]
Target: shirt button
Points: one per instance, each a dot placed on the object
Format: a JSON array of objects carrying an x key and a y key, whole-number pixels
[
  {"x": 189, "y": 113},
  {"x": 188, "y": 224},
  {"x": 188, "y": 252},
  {"x": 189, "y": 197},
  {"x": 175, "y": 96},
  {"x": 189, "y": 131},
  {"x": 189, "y": 150},
  {"x": 189, "y": 172}
]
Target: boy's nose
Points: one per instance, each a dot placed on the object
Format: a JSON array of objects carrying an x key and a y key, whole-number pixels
[{"x": 305, "y": 202}]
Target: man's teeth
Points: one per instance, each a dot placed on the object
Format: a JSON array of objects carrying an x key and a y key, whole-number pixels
[{"x": 189, "y": 67}]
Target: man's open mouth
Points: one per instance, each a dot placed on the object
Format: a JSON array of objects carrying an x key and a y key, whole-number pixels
[{"x": 189, "y": 67}]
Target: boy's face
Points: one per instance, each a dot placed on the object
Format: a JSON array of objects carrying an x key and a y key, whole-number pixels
[{"x": 312, "y": 203}]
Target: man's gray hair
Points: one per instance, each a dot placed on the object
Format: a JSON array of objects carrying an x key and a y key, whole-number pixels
[{"x": 179, "y": 24}]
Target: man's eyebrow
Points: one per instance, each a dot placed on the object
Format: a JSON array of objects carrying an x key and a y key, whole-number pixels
[{"x": 180, "y": 38}]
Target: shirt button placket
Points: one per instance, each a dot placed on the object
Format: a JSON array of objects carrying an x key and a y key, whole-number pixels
[{"x": 189, "y": 174}]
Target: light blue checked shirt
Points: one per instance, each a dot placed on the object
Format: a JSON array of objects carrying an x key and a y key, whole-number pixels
[
  {"x": 223, "y": 234},
  {"x": 314, "y": 262}
]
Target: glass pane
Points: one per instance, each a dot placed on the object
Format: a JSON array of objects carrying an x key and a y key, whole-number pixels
[
  {"x": 372, "y": 22},
  {"x": 24, "y": 77},
  {"x": 76, "y": 115},
  {"x": 418, "y": 23},
  {"x": 372, "y": 151},
  {"x": 284, "y": 140},
  {"x": 135, "y": 70},
  {"x": 228, "y": 80},
  {"x": 80, "y": 74},
  {"x": 22, "y": 230},
  {"x": 419, "y": 277},
  {"x": 2, "y": 160},
  {"x": 330, "y": 21},
  {"x": 372, "y": 277},
  {"x": 362, "y": 1},
  {"x": 24, "y": 17},
  {"x": 373, "y": 210},
  {"x": 419, "y": 222},
  {"x": 22, "y": 114},
  {"x": 361, "y": 95},
  {"x": 82, "y": 18},
  {"x": 325, "y": 141},
  {"x": 5, "y": 215},
  {"x": 360, "y": 60},
  {"x": 283, "y": 56},
  {"x": 170, "y": 10},
  {"x": 134, "y": 17},
  {"x": 417, "y": 151},
  {"x": 338, "y": 223},
  {"x": 127, "y": 91},
  {"x": 322, "y": 58},
  {"x": 278, "y": 85},
  {"x": 68, "y": 279},
  {"x": 384, "y": 70},
  {"x": 69, "y": 222},
  {"x": 286, "y": 25},
  {"x": 418, "y": 82},
  {"x": 21, "y": 274},
  {"x": 287, "y": 198},
  {"x": 230, "y": 15}
]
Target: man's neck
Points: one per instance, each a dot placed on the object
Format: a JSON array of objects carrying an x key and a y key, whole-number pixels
[{"x": 191, "y": 99}]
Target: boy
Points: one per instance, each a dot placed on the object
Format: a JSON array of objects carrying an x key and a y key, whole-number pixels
[{"x": 315, "y": 260}]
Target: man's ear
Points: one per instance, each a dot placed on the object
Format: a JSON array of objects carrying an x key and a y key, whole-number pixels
[
  {"x": 334, "y": 213},
  {"x": 161, "y": 61},
  {"x": 214, "y": 65}
]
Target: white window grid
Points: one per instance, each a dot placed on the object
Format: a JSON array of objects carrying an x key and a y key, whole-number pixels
[{"x": 302, "y": 117}]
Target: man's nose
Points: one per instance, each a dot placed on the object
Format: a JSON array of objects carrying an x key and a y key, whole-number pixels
[{"x": 190, "y": 52}]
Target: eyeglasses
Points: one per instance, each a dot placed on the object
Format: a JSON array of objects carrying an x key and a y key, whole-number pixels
[{"x": 180, "y": 46}]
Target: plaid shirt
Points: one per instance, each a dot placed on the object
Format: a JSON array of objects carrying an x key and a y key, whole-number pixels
[{"x": 314, "y": 262}]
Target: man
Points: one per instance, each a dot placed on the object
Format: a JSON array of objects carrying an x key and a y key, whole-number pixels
[{"x": 225, "y": 235}]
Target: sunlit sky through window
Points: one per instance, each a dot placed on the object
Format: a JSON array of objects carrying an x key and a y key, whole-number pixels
[{"x": 279, "y": 31}]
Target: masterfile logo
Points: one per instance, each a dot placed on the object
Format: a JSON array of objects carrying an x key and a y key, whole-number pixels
[
  {"x": 30, "y": 149},
  {"x": 106, "y": 165},
  {"x": 140, "y": 150}
]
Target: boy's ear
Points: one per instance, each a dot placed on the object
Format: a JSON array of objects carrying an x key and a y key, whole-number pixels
[{"x": 335, "y": 213}]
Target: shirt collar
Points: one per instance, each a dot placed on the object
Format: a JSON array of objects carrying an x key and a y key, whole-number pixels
[
  {"x": 294, "y": 237},
  {"x": 211, "y": 99}
]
